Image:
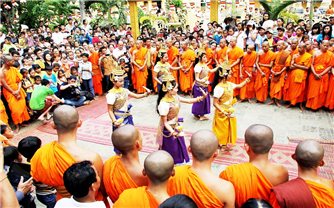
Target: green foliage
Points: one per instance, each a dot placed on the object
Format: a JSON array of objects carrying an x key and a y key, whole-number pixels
[
  {"x": 289, "y": 17},
  {"x": 275, "y": 7},
  {"x": 56, "y": 11}
]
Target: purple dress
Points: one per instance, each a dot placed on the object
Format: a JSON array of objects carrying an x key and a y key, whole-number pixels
[
  {"x": 203, "y": 107},
  {"x": 175, "y": 146}
]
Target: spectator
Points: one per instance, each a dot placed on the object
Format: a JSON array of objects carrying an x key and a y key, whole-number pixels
[{"x": 71, "y": 93}]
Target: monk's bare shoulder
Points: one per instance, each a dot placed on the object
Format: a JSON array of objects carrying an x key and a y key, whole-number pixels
[
  {"x": 280, "y": 174},
  {"x": 224, "y": 190},
  {"x": 328, "y": 183}
]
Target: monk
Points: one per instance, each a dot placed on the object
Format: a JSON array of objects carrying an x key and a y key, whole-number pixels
[
  {"x": 234, "y": 54},
  {"x": 96, "y": 71},
  {"x": 293, "y": 50},
  {"x": 140, "y": 56},
  {"x": 124, "y": 171},
  {"x": 173, "y": 59},
  {"x": 247, "y": 70},
  {"x": 264, "y": 62},
  {"x": 51, "y": 161},
  {"x": 278, "y": 72},
  {"x": 210, "y": 55},
  {"x": 198, "y": 181},
  {"x": 330, "y": 94},
  {"x": 309, "y": 189},
  {"x": 14, "y": 93},
  {"x": 187, "y": 72},
  {"x": 221, "y": 53},
  {"x": 3, "y": 114},
  {"x": 255, "y": 178},
  {"x": 318, "y": 80},
  {"x": 300, "y": 65},
  {"x": 158, "y": 167}
]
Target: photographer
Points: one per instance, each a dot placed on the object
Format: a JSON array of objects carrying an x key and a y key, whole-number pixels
[{"x": 71, "y": 93}]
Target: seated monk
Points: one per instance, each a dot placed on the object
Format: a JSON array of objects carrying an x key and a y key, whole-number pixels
[
  {"x": 255, "y": 178},
  {"x": 198, "y": 181},
  {"x": 308, "y": 189},
  {"x": 51, "y": 161},
  {"x": 158, "y": 167},
  {"x": 124, "y": 171}
]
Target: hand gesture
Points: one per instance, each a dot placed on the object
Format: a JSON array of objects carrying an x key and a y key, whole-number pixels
[
  {"x": 25, "y": 187},
  {"x": 247, "y": 80}
]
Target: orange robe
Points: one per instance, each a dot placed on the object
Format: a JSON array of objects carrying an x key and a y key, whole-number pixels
[
  {"x": 287, "y": 77},
  {"x": 187, "y": 182},
  {"x": 140, "y": 75},
  {"x": 136, "y": 197},
  {"x": 297, "y": 80},
  {"x": 248, "y": 62},
  {"x": 116, "y": 178},
  {"x": 3, "y": 114},
  {"x": 49, "y": 164},
  {"x": 97, "y": 74},
  {"x": 233, "y": 55},
  {"x": 17, "y": 107},
  {"x": 154, "y": 60},
  {"x": 186, "y": 79},
  {"x": 248, "y": 181},
  {"x": 317, "y": 88},
  {"x": 221, "y": 54},
  {"x": 323, "y": 196},
  {"x": 172, "y": 54},
  {"x": 210, "y": 54},
  {"x": 330, "y": 94},
  {"x": 261, "y": 83},
  {"x": 282, "y": 60}
]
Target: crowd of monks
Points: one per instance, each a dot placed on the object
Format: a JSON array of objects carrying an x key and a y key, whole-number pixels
[
  {"x": 296, "y": 73},
  {"x": 129, "y": 183}
]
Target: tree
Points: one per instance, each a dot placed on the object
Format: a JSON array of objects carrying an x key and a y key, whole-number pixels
[{"x": 275, "y": 7}]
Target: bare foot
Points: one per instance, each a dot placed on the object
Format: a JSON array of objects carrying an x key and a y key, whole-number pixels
[
  {"x": 196, "y": 117},
  {"x": 203, "y": 118},
  {"x": 271, "y": 102},
  {"x": 17, "y": 129},
  {"x": 250, "y": 101},
  {"x": 288, "y": 106},
  {"x": 301, "y": 107},
  {"x": 277, "y": 103},
  {"x": 86, "y": 102}
]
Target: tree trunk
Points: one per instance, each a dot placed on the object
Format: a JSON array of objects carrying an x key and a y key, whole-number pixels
[{"x": 82, "y": 10}]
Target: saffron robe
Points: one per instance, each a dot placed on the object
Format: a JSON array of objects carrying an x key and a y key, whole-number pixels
[
  {"x": 323, "y": 196},
  {"x": 172, "y": 54},
  {"x": 210, "y": 54},
  {"x": 187, "y": 182},
  {"x": 139, "y": 56},
  {"x": 116, "y": 178},
  {"x": 17, "y": 107},
  {"x": 287, "y": 76},
  {"x": 317, "y": 88},
  {"x": 261, "y": 83},
  {"x": 3, "y": 114},
  {"x": 282, "y": 60},
  {"x": 330, "y": 93},
  {"x": 49, "y": 164},
  {"x": 248, "y": 62},
  {"x": 221, "y": 54},
  {"x": 97, "y": 73},
  {"x": 186, "y": 79},
  {"x": 297, "y": 80},
  {"x": 136, "y": 197},
  {"x": 248, "y": 181}
]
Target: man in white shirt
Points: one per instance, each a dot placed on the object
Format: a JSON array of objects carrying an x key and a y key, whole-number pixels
[
  {"x": 82, "y": 182},
  {"x": 57, "y": 36},
  {"x": 120, "y": 51}
]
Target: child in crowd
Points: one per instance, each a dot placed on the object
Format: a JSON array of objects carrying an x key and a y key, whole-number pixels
[
  {"x": 26, "y": 83},
  {"x": 45, "y": 194},
  {"x": 85, "y": 72},
  {"x": 38, "y": 81},
  {"x": 38, "y": 70},
  {"x": 52, "y": 78},
  {"x": 6, "y": 135},
  {"x": 32, "y": 75}
]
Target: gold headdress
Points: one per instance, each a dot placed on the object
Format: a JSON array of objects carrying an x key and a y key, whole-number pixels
[
  {"x": 161, "y": 52},
  {"x": 167, "y": 82},
  {"x": 224, "y": 69},
  {"x": 117, "y": 73}
]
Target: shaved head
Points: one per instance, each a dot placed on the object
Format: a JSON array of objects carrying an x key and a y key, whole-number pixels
[
  {"x": 65, "y": 118},
  {"x": 124, "y": 138},
  {"x": 203, "y": 145},
  {"x": 260, "y": 138},
  {"x": 159, "y": 166},
  {"x": 309, "y": 154}
]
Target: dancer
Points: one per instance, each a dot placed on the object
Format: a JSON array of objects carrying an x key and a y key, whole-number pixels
[
  {"x": 163, "y": 68},
  {"x": 224, "y": 122},
  {"x": 118, "y": 108},
  {"x": 170, "y": 136},
  {"x": 201, "y": 84}
]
